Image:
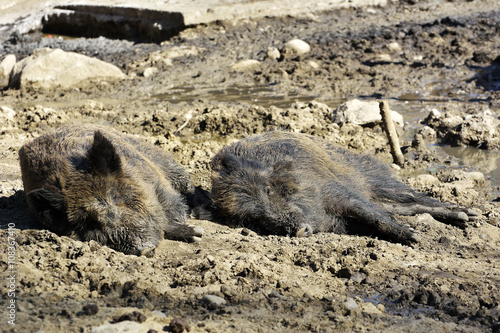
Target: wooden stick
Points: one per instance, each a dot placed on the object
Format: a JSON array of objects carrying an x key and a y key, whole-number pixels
[{"x": 392, "y": 135}]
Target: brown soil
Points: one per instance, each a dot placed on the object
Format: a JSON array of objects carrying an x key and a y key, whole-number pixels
[{"x": 449, "y": 281}]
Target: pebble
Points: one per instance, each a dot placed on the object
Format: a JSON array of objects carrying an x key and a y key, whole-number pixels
[
  {"x": 298, "y": 46},
  {"x": 273, "y": 53},
  {"x": 383, "y": 57},
  {"x": 212, "y": 302},
  {"x": 394, "y": 47},
  {"x": 350, "y": 304},
  {"x": 7, "y": 113},
  {"x": 178, "y": 325},
  {"x": 245, "y": 64},
  {"x": 150, "y": 71},
  {"x": 90, "y": 309}
]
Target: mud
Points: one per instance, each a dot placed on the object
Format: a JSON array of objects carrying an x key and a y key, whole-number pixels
[{"x": 234, "y": 279}]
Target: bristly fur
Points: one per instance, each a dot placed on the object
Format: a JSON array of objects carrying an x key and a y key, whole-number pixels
[
  {"x": 293, "y": 184},
  {"x": 102, "y": 185}
]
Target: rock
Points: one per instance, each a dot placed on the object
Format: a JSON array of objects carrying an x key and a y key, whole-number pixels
[
  {"x": 473, "y": 177},
  {"x": 245, "y": 64},
  {"x": 150, "y": 71},
  {"x": 370, "y": 308},
  {"x": 427, "y": 132},
  {"x": 394, "y": 47},
  {"x": 90, "y": 309},
  {"x": 273, "y": 53},
  {"x": 51, "y": 68},
  {"x": 382, "y": 58},
  {"x": 362, "y": 113},
  {"x": 7, "y": 113},
  {"x": 297, "y": 46},
  {"x": 313, "y": 65},
  {"x": 212, "y": 302},
  {"x": 178, "y": 325},
  {"x": 6, "y": 67},
  {"x": 350, "y": 304}
]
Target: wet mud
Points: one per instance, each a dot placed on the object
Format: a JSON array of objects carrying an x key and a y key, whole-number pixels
[{"x": 417, "y": 55}]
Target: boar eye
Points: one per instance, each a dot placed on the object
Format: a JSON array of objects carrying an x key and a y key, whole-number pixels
[{"x": 268, "y": 190}]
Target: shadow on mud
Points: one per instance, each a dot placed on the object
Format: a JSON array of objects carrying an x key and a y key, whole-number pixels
[{"x": 13, "y": 210}]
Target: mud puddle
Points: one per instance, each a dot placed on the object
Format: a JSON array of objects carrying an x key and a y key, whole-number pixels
[{"x": 263, "y": 96}]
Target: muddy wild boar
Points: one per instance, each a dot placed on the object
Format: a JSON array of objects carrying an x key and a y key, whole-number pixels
[
  {"x": 94, "y": 183},
  {"x": 295, "y": 184}
]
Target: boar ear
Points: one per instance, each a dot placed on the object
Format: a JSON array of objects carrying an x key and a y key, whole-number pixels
[
  {"x": 49, "y": 206},
  {"x": 230, "y": 162},
  {"x": 102, "y": 155}
]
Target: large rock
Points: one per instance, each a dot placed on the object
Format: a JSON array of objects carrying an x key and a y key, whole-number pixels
[
  {"x": 362, "y": 113},
  {"x": 51, "y": 68}
]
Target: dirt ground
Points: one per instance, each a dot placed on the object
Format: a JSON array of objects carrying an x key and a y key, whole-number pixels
[{"x": 419, "y": 55}]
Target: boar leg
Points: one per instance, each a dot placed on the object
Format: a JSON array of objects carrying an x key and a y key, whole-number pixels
[
  {"x": 183, "y": 232},
  {"x": 378, "y": 220},
  {"x": 344, "y": 203},
  {"x": 406, "y": 201},
  {"x": 457, "y": 217}
]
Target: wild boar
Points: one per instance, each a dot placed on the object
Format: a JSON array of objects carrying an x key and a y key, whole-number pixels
[
  {"x": 95, "y": 183},
  {"x": 295, "y": 184}
]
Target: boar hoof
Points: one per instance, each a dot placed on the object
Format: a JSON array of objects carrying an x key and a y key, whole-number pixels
[
  {"x": 197, "y": 234},
  {"x": 462, "y": 216},
  {"x": 305, "y": 231},
  {"x": 148, "y": 252}
]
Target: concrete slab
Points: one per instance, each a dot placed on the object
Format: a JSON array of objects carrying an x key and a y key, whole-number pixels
[{"x": 168, "y": 15}]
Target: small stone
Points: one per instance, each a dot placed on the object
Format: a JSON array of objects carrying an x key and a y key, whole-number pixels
[
  {"x": 158, "y": 313},
  {"x": 150, "y": 71},
  {"x": 350, "y": 304},
  {"x": 133, "y": 316},
  {"x": 245, "y": 64},
  {"x": 273, "y": 53},
  {"x": 383, "y": 57},
  {"x": 212, "y": 302},
  {"x": 7, "y": 113},
  {"x": 297, "y": 46},
  {"x": 427, "y": 132},
  {"x": 394, "y": 47},
  {"x": 90, "y": 309},
  {"x": 178, "y": 325},
  {"x": 313, "y": 65}
]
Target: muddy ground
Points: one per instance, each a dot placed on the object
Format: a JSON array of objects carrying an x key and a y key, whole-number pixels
[{"x": 448, "y": 59}]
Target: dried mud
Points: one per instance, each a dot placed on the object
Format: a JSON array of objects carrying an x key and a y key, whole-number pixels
[{"x": 448, "y": 59}]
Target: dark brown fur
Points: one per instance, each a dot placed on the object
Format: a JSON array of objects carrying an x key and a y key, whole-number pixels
[
  {"x": 295, "y": 184},
  {"x": 95, "y": 183}
]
